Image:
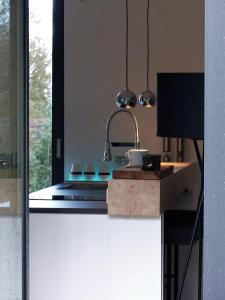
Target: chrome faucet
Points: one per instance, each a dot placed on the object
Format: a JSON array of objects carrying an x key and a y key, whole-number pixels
[{"x": 107, "y": 152}]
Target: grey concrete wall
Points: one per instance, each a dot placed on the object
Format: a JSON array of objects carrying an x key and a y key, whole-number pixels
[{"x": 214, "y": 219}]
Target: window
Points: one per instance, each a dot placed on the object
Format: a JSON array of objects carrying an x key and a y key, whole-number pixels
[
  {"x": 46, "y": 93},
  {"x": 40, "y": 94}
]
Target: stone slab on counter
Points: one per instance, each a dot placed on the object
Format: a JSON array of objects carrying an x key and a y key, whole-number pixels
[{"x": 149, "y": 198}]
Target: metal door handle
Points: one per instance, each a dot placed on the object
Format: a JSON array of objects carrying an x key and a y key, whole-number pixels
[{"x": 58, "y": 148}]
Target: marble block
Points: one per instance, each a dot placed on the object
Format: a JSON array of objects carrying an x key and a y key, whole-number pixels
[{"x": 149, "y": 198}]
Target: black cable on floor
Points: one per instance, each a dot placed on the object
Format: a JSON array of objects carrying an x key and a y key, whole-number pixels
[{"x": 197, "y": 218}]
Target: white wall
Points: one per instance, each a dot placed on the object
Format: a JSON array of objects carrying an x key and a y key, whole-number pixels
[
  {"x": 94, "y": 66},
  {"x": 83, "y": 257}
]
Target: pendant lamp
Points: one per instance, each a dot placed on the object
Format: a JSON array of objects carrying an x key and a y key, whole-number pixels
[
  {"x": 126, "y": 98},
  {"x": 147, "y": 98}
]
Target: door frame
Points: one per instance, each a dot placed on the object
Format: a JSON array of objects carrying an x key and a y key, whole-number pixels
[
  {"x": 58, "y": 93},
  {"x": 25, "y": 161}
]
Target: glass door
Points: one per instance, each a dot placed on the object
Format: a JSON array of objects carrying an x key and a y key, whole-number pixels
[{"x": 13, "y": 150}]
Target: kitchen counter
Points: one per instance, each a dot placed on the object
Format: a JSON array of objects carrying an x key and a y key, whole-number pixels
[
  {"x": 61, "y": 198},
  {"x": 90, "y": 197},
  {"x": 72, "y": 234}
]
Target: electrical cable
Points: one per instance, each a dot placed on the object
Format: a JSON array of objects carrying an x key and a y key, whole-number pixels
[
  {"x": 200, "y": 160},
  {"x": 127, "y": 41},
  {"x": 197, "y": 218},
  {"x": 148, "y": 43}
]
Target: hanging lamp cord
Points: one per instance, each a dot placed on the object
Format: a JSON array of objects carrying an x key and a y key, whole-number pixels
[
  {"x": 127, "y": 41},
  {"x": 148, "y": 42}
]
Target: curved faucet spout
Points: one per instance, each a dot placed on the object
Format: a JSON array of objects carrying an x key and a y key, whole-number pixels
[{"x": 107, "y": 152}]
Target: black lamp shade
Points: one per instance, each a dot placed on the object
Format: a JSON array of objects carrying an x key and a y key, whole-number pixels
[{"x": 180, "y": 108}]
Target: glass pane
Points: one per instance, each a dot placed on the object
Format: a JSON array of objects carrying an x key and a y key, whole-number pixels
[
  {"x": 40, "y": 94},
  {"x": 12, "y": 174}
]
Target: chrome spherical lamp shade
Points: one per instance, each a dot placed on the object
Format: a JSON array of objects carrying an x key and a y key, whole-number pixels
[
  {"x": 126, "y": 99},
  {"x": 147, "y": 99}
]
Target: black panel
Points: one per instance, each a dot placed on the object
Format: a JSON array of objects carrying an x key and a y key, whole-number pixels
[{"x": 180, "y": 110}]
